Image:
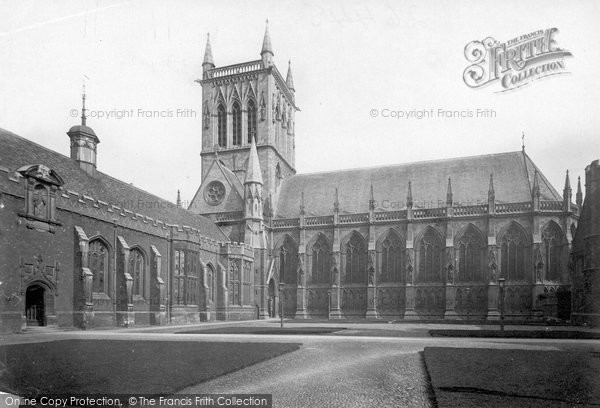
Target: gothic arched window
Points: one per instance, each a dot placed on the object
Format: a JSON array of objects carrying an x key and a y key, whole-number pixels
[
  {"x": 210, "y": 276},
  {"x": 288, "y": 261},
  {"x": 136, "y": 270},
  {"x": 237, "y": 124},
  {"x": 471, "y": 254},
  {"x": 321, "y": 261},
  {"x": 513, "y": 246},
  {"x": 222, "y": 125},
  {"x": 179, "y": 278},
  {"x": 251, "y": 120},
  {"x": 391, "y": 258},
  {"x": 430, "y": 253},
  {"x": 98, "y": 261},
  {"x": 234, "y": 282},
  {"x": 552, "y": 244},
  {"x": 356, "y": 260}
]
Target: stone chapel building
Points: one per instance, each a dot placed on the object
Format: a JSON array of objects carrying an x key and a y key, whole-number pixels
[{"x": 425, "y": 240}]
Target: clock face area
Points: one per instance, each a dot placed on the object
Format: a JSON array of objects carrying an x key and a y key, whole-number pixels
[{"x": 214, "y": 193}]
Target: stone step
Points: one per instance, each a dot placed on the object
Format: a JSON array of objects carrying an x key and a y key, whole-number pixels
[{"x": 41, "y": 329}]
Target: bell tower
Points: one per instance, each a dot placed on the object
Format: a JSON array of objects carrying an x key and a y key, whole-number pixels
[{"x": 245, "y": 102}]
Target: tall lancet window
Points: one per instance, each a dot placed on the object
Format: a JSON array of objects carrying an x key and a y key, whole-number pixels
[
  {"x": 251, "y": 120},
  {"x": 321, "y": 261},
  {"x": 222, "y": 125},
  {"x": 237, "y": 124},
  {"x": 552, "y": 241},
  {"x": 391, "y": 258},
  {"x": 430, "y": 252},
  {"x": 356, "y": 260},
  {"x": 513, "y": 246},
  {"x": 136, "y": 269},
  {"x": 98, "y": 261}
]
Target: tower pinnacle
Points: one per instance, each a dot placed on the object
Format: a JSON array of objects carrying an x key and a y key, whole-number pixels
[
  {"x": 267, "y": 49},
  {"x": 289, "y": 80},
  {"x": 208, "y": 62}
]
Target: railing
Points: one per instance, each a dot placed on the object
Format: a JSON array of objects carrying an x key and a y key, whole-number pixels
[
  {"x": 314, "y": 221},
  {"x": 390, "y": 216},
  {"x": 229, "y": 216},
  {"x": 286, "y": 223},
  {"x": 470, "y": 210},
  {"x": 429, "y": 213},
  {"x": 235, "y": 69},
  {"x": 551, "y": 205},
  {"x": 508, "y": 208},
  {"x": 354, "y": 218}
]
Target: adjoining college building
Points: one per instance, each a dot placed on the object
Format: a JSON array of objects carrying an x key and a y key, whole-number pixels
[{"x": 413, "y": 241}]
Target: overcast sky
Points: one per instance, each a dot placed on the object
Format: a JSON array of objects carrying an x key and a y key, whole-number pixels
[{"x": 348, "y": 58}]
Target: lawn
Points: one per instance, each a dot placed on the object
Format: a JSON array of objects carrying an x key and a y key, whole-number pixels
[
  {"x": 464, "y": 377},
  {"x": 124, "y": 366}
]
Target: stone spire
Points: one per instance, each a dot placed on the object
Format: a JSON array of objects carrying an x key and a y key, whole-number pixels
[
  {"x": 579, "y": 195},
  {"x": 208, "y": 62},
  {"x": 567, "y": 194},
  {"x": 253, "y": 196},
  {"x": 449, "y": 194},
  {"x": 253, "y": 173},
  {"x": 491, "y": 196},
  {"x": 535, "y": 191},
  {"x": 178, "y": 199},
  {"x": 289, "y": 80},
  {"x": 336, "y": 202},
  {"x": 267, "y": 49},
  {"x": 371, "y": 199}
]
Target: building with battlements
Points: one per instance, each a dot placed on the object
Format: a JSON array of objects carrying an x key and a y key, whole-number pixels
[{"x": 426, "y": 240}]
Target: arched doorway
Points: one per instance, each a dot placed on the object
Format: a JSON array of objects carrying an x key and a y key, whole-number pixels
[{"x": 35, "y": 306}]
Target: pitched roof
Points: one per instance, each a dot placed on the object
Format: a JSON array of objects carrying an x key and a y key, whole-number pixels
[
  {"x": 513, "y": 174},
  {"x": 17, "y": 151}
]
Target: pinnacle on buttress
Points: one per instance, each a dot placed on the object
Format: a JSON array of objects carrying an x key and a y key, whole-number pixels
[
  {"x": 409, "y": 196},
  {"x": 253, "y": 173},
  {"x": 336, "y": 202},
  {"x": 567, "y": 182},
  {"x": 449, "y": 193},
  {"x": 208, "y": 62},
  {"x": 579, "y": 195},
  {"x": 289, "y": 80},
  {"x": 491, "y": 192},
  {"x": 371, "y": 199},
  {"x": 302, "y": 204},
  {"x": 536, "y": 185}
]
